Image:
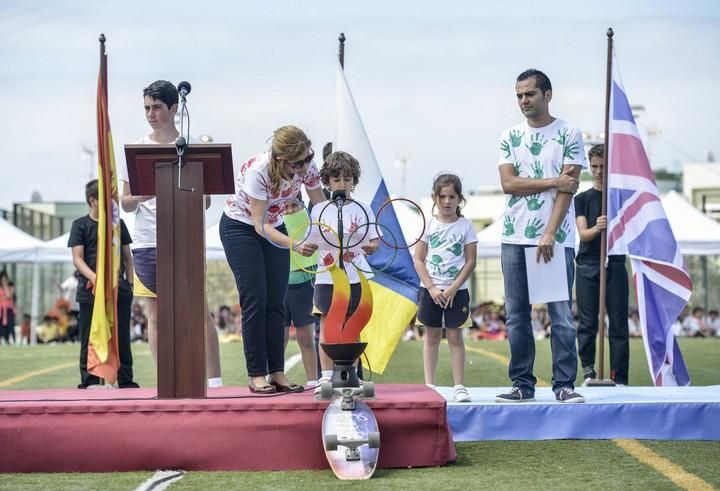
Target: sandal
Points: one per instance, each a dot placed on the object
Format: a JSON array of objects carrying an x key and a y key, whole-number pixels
[
  {"x": 286, "y": 388},
  {"x": 264, "y": 389},
  {"x": 461, "y": 394}
]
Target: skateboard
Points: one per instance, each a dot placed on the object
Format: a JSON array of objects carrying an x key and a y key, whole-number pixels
[{"x": 350, "y": 434}]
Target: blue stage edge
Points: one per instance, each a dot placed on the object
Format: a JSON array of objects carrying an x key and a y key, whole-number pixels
[{"x": 645, "y": 413}]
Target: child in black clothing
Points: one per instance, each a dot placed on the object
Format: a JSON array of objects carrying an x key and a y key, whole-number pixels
[{"x": 83, "y": 241}]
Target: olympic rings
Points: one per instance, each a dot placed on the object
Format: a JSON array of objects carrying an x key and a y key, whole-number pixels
[
  {"x": 322, "y": 230},
  {"x": 276, "y": 202},
  {"x": 382, "y": 208},
  {"x": 394, "y": 249},
  {"x": 348, "y": 246}
]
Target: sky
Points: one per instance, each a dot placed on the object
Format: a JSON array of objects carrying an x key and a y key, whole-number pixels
[{"x": 434, "y": 81}]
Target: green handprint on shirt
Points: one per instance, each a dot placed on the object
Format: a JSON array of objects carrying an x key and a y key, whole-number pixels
[
  {"x": 569, "y": 151},
  {"x": 516, "y": 168},
  {"x": 515, "y": 141},
  {"x": 513, "y": 200},
  {"x": 562, "y": 137},
  {"x": 538, "y": 170},
  {"x": 452, "y": 272},
  {"x": 435, "y": 263},
  {"x": 509, "y": 226},
  {"x": 456, "y": 248},
  {"x": 435, "y": 241},
  {"x": 569, "y": 148},
  {"x": 537, "y": 142},
  {"x": 533, "y": 202},
  {"x": 532, "y": 229},
  {"x": 516, "y": 138},
  {"x": 505, "y": 148},
  {"x": 563, "y": 232}
]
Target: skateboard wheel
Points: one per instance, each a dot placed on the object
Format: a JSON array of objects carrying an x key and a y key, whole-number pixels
[
  {"x": 374, "y": 439},
  {"x": 326, "y": 390},
  {"x": 368, "y": 389},
  {"x": 331, "y": 442}
]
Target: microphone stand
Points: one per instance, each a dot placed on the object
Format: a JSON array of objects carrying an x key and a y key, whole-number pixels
[
  {"x": 339, "y": 204},
  {"x": 181, "y": 142}
]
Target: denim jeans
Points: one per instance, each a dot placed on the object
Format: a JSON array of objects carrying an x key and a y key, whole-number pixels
[
  {"x": 520, "y": 332},
  {"x": 261, "y": 273}
]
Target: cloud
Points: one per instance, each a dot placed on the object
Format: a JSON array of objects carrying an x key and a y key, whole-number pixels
[{"x": 432, "y": 81}]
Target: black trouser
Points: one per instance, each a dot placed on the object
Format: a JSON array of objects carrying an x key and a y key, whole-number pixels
[
  {"x": 261, "y": 272},
  {"x": 125, "y": 373},
  {"x": 7, "y": 329},
  {"x": 587, "y": 281}
]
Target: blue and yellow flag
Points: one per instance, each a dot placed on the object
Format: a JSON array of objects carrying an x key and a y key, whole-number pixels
[
  {"x": 395, "y": 285},
  {"x": 103, "y": 359}
]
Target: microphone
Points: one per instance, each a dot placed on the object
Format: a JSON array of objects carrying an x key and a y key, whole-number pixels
[
  {"x": 339, "y": 197},
  {"x": 180, "y": 145},
  {"x": 184, "y": 88}
]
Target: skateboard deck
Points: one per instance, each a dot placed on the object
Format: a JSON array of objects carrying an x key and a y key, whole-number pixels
[{"x": 351, "y": 440}]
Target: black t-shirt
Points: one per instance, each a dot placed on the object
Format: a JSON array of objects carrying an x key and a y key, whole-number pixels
[
  {"x": 588, "y": 204},
  {"x": 84, "y": 232}
]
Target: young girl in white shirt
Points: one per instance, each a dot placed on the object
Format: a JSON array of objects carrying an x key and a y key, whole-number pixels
[{"x": 444, "y": 260}]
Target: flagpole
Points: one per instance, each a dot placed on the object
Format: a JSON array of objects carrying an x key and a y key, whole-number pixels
[
  {"x": 103, "y": 65},
  {"x": 103, "y": 78},
  {"x": 603, "y": 234},
  {"x": 341, "y": 50},
  {"x": 328, "y": 150}
]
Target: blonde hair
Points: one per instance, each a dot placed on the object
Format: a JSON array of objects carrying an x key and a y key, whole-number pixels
[{"x": 289, "y": 143}]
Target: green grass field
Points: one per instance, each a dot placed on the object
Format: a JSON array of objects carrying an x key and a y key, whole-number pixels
[{"x": 564, "y": 464}]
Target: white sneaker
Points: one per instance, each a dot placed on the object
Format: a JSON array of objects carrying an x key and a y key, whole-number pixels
[
  {"x": 318, "y": 387},
  {"x": 461, "y": 394}
]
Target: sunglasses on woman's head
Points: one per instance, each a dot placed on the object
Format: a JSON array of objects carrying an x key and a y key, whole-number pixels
[{"x": 302, "y": 163}]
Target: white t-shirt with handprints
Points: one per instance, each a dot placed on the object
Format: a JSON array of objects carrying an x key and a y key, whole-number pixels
[
  {"x": 446, "y": 243},
  {"x": 253, "y": 181},
  {"x": 539, "y": 153}
]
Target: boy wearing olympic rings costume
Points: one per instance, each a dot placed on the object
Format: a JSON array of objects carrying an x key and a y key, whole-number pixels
[{"x": 341, "y": 172}]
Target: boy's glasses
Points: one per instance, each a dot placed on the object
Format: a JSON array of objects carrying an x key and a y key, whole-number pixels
[{"x": 302, "y": 163}]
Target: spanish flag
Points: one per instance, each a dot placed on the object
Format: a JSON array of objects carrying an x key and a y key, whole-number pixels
[
  {"x": 103, "y": 358},
  {"x": 395, "y": 283}
]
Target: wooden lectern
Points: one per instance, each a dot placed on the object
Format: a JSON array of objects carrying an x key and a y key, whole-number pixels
[{"x": 181, "y": 316}]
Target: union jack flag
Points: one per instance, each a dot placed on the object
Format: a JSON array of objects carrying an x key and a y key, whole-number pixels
[{"x": 639, "y": 228}]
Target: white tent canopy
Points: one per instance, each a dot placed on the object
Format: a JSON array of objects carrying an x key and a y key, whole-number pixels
[
  {"x": 16, "y": 246},
  {"x": 489, "y": 239},
  {"x": 55, "y": 250},
  {"x": 696, "y": 233}
]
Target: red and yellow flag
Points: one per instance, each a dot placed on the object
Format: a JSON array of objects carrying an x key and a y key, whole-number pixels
[{"x": 103, "y": 358}]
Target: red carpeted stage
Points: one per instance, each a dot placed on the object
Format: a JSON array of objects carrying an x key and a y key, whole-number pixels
[{"x": 128, "y": 430}]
